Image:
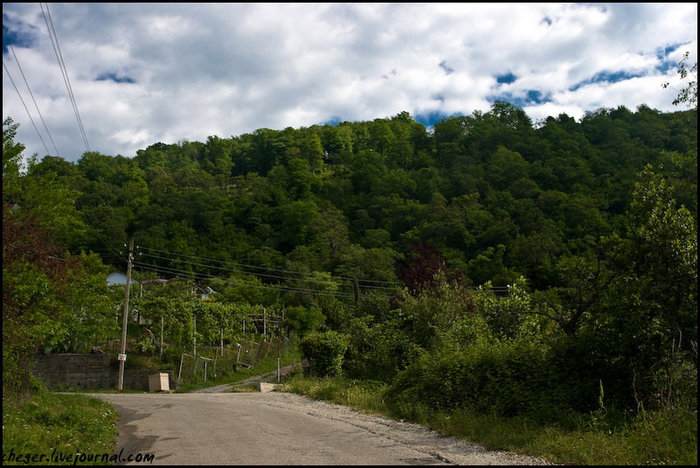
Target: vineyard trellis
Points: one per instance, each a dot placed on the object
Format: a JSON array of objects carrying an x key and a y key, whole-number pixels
[{"x": 248, "y": 353}]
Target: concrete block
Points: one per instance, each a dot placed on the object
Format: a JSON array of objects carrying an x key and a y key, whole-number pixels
[
  {"x": 158, "y": 382},
  {"x": 266, "y": 387}
]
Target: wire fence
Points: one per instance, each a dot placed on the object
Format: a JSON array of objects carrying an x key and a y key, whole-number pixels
[
  {"x": 214, "y": 361},
  {"x": 250, "y": 353},
  {"x": 195, "y": 367}
]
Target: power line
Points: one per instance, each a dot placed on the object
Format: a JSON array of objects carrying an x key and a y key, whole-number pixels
[
  {"x": 498, "y": 290},
  {"x": 200, "y": 275},
  {"x": 317, "y": 281},
  {"x": 175, "y": 271},
  {"x": 61, "y": 64},
  {"x": 34, "y": 100},
  {"x": 273, "y": 270},
  {"x": 25, "y": 107}
]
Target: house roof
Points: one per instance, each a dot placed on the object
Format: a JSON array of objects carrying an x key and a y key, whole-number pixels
[{"x": 116, "y": 278}]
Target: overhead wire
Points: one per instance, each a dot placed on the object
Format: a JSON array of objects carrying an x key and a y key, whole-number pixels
[
  {"x": 172, "y": 257},
  {"x": 62, "y": 65},
  {"x": 199, "y": 275},
  {"x": 276, "y": 286},
  {"x": 316, "y": 281},
  {"x": 283, "y": 273},
  {"x": 170, "y": 270},
  {"x": 25, "y": 107},
  {"x": 34, "y": 100}
]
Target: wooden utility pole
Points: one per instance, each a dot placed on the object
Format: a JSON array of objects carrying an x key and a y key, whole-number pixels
[
  {"x": 356, "y": 290},
  {"x": 125, "y": 316},
  {"x": 160, "y": 352}
]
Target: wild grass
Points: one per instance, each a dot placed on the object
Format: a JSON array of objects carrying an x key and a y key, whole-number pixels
[
  {"x": 665, "y": 437},
  {"x": 55, "y": 429},
  {"x": 366, "y": 396}
]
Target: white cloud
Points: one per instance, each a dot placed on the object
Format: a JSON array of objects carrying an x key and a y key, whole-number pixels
[{"x": 193, "y": 70}]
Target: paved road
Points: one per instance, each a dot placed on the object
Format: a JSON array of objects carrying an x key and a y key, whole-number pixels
[{"x": 279, "y": 429}]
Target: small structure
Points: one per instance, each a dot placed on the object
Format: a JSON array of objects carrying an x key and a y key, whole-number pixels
[
  {"x": 158, "y": 382},
  {"x": 266, "y": 387}
]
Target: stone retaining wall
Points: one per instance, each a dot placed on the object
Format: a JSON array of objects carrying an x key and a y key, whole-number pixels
[{"x": 90, "y": 371}]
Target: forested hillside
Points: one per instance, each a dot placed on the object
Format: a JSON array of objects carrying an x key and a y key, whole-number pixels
[
  {"x": 591, "y": 223},
  {"x": 495, "y": 195}
]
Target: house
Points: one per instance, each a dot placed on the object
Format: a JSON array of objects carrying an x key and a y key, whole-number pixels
[{"x": 201, "y": 291}]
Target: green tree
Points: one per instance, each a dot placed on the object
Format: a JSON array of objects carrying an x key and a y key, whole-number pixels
[
  {"x": 689, "y": 94},
  {"x": 303, "y": 320},
  {"x": 11, "y": 161},
  {"x": 51, "y": 300},
  {"x": 505, "y": 167},
  {"x": 325, "y": 352},
  {"x": 660, "y": 250},
  {"x": 583, "y": 284}
]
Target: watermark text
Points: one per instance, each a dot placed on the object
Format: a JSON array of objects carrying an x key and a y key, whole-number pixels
[{"x": 75, "y": 458}]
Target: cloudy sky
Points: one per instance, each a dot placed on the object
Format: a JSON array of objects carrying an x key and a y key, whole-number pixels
[{"x": 146, "y": 73}]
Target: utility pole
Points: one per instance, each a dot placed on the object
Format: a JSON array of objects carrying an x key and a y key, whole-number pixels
[
  {"x": 125, "y": 316},
  {"x": 356, "y": 290},
  {"x": 160, "y": 352}
]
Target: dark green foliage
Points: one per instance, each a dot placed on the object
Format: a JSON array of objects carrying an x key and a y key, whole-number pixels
[
  {"x": 302, "y": 320},
  {"x": 379, "y": 350},
  {"x": 324, "y": 352},
  {"x": 497, "y": 196},
  {"x": 503, "y": 378}
]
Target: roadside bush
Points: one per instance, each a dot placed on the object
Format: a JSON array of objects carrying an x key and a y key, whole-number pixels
[
  {"x": 378, "y": 351},
  {"x": 324, "y": 352},
  {"x": 504, "y": 378}
]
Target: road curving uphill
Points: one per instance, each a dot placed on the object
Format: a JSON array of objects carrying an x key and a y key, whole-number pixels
[{"x": 279, "y": 428}]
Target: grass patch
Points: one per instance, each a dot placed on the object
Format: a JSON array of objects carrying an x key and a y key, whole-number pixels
[
  {"x": 366, "y": 396},
  {"x": 667, "y": 437},
  {"x": 248, "y": 388},
  {"x": 51, "y": 427}
]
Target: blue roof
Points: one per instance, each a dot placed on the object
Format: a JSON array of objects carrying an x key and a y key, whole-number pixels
[{"x": 118, "y": 278}]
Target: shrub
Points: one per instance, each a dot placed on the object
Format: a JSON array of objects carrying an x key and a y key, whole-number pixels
[
  {"x": 378, "y": 351},
  {"x": 324, "y": 352},
  {"x": 502, "y": 378}
]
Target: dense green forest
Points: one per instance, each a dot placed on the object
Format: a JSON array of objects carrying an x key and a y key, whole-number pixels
[{"x": 519, "y": 267}]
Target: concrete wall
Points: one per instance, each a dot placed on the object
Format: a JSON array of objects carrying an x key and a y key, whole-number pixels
[
  {"x": 74, "y": 370},
  {"x": 91, "y": 371}
]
